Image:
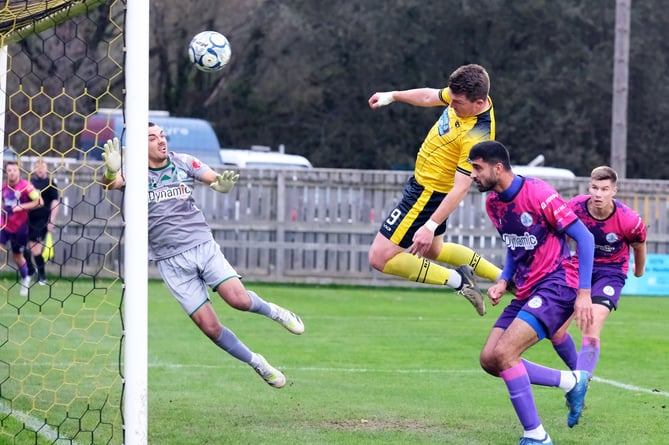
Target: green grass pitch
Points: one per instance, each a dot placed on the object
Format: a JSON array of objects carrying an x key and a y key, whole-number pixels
[{"x": 389, "y": 366}]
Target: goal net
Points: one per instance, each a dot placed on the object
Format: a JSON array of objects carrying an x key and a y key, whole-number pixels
[{"x": 61, "y": 339}]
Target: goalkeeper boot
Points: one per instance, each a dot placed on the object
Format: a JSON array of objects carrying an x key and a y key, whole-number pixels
[
  {"x": 576, "y": 398},
  {"x": 271, "y": 375},
  {"x": 469, "y": 289},
  {"x": 287, "y": 319}
]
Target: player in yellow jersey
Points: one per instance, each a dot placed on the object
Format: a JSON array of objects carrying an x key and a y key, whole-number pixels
[{"x": 410, "y": 241}]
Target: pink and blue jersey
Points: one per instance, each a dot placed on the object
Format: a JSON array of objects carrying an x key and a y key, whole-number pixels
[
  {"x": 532, "y": 224},
  {"x": 613, "y": 235},
  {"x": 12, "y": 196}
]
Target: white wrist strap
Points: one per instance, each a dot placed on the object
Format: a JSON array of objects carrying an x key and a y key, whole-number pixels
[
  {"x": 431, "y": 225},
  {"x": 386, "y": 98}
]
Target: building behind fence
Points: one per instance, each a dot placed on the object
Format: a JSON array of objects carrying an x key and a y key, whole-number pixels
[{"x": 307, "y": 226}]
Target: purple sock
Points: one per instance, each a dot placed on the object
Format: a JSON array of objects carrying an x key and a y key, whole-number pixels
[
  {"x": 566, "y": 349},
  {"x": 23, "y": 270},
  {"x": 541, "y": 375},
  {"x": 589, "y": 354},
  {"x": 520, "y": 392}
]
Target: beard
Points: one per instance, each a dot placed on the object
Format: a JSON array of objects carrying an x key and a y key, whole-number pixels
[{"x": 485, "y": 186}]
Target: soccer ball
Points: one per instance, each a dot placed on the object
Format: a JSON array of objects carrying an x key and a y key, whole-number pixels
[{"x": 209, "y": 51}]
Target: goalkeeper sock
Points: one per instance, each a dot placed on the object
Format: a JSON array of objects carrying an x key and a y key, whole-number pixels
[
  {"x": 258, "y": 305},
  {"x": 229, "y": 342},
  {"x": 457, "y": 254}
]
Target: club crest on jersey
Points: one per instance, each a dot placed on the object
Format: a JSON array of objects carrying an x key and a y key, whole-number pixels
[
  {"x": 444, "y": 125},
  {"x": 611, "y": 237},
  {"x": 526, "y": 219},
  {"x": 181, "y": 175}
]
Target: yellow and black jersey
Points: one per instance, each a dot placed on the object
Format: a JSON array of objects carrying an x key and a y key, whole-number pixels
[{"x": 446, "y": 147}]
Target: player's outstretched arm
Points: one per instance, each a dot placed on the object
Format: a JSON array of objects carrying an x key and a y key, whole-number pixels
[{"x": 420, "y": 97}]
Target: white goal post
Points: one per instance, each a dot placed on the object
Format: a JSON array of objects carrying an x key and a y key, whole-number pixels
[{"x": 135, "y": 404}]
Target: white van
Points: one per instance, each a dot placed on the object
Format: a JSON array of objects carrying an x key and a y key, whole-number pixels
[
  {"x": 536, "y": 169},
  {"x": 232, "y": 157},
  {"x": 542, "y": 172}
]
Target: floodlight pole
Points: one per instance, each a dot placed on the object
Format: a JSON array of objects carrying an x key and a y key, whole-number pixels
[{"x": 135, "y": 252}]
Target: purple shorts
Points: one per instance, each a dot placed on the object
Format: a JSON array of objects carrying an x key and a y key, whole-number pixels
[
  {"x": 551, "y": 303},
  {"x": 607, "y": 283},
  {"x": 18, "y": 240}
]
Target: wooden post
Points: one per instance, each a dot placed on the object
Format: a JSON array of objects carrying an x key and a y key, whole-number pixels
[
  {"x": 620, "y": 88},
  {"x": 280, "y": 224}
]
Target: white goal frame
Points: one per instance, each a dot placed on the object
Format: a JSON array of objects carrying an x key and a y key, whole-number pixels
[{"x": 136, "y": 67}]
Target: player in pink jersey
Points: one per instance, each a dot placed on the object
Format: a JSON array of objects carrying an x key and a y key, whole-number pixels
[
  {"x": 534, "y": 221},
  {"x": 615, "y": 228},
  {"x": 18, "y": 196}
]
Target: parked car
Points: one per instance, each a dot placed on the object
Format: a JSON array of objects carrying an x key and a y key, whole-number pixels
[{"x": 231, "y": 157}]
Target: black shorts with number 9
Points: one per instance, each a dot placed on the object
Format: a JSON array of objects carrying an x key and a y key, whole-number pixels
[{"x": 412, "y": 212}]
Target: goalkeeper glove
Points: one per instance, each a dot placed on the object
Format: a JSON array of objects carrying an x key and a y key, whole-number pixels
[
  {"x": 112, "y": 158},
  {"x": 225, "y": 181}
]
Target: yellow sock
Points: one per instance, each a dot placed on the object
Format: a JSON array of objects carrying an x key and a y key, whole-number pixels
[
  {"x": 417, "y": 269},
  {"x": 457, "y": 254}
]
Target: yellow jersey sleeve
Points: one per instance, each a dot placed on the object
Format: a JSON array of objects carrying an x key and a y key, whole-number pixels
[{"x": 445, "y": 96}]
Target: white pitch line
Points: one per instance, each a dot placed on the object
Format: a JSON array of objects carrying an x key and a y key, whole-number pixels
[
  {"x": 620, "y": 385},
  {"x": 317, "y": 369},
  {"x": 167, "y": 365},
  {"x": 630, "y": 387},
  {"x": 35, "y": 424}
]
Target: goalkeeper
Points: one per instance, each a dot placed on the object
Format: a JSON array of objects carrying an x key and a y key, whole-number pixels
[{"x": 188, "y": 258}]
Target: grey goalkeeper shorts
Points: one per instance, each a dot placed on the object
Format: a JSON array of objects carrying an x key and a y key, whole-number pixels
[{"x": 190, "y": 274}]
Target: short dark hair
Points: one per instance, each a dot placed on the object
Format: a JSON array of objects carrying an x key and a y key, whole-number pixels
[
  {"x": 491, "y": 152},
  {"x": 471, "y": 80},
  {"x": 9, "y": 163}
]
